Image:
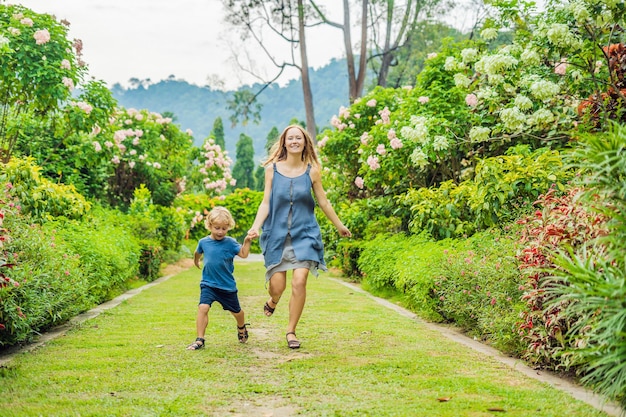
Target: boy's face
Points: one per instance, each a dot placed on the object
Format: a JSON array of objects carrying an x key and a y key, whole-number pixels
[{"x": 218, "y": 229}]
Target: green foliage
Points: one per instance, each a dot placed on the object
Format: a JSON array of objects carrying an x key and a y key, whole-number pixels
[
  {"x": 55, "y": 271},
  {"x": 499, "y": 192},
  {"x": 473, "y": 283},
  {"x": 158, "y": 229},
  {"x": 149, "y": 261},
  {"x": 588, "y": 281},
  {"x": 242, "y": 204},
  {"x": 349, "y": 252},
  {"x": 243, "y": 171},
  {"x": 479, "y": 288},
  {"x": 218, "y": 133},
  {"x": 39, "y": 196},
  {"x": 46, "y": 284},
  {"x": 108, "y": 254}
]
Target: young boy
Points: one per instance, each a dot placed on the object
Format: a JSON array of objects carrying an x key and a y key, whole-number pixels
[{"x": 218, "y": 283}]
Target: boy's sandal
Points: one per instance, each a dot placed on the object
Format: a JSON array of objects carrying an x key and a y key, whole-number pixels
[
  {"x": 293, "y": 343},
  {"x": 267, "y": 309},
  {"x": 197, "y": 344},
  {"x": 242, "y": 333}
]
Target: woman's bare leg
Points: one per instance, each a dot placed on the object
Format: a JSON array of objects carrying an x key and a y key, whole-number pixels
[
  {"x": 297, "y": 300},
  {"x": 277, "y": 285}
]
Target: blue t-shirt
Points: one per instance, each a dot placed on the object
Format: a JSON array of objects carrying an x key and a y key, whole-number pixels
[{"x": 218, "y": 262}]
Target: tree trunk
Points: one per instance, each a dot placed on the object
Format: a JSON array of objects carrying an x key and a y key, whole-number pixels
[
  {"x": 306, "y": 82},
  {"x": 360, "y": 81},
  {"x": 387, "y": 54}
]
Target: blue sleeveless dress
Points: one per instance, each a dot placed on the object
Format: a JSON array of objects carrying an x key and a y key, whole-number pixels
[{"x": 290, "y": 236}]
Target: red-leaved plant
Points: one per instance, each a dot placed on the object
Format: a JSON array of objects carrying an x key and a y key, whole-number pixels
[{"x": 560, "y": 221}]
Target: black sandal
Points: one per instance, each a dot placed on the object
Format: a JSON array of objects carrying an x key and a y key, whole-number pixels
[
  {"x": 268, "y": 309},
  {"x": 293, "y": 344},
  {"x": 243, "y": 336},
  {"x": 195, "y": 345}
]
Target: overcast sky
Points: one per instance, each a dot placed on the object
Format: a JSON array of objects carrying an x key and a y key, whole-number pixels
[{"x": 155, "y": 39}]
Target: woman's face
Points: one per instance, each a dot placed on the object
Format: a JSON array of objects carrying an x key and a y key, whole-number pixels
[{"x": 294, "y": 140}]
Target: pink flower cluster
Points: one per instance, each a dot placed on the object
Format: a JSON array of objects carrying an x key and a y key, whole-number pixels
[
  {"x": 372, "y": 161},
  {"x": 86, "y": 107},
  {"x": 358, "y": 181},
  {"x": 384, "y": 115},
  {"x": 471, "y": 100},
  {"x": 561, "y": 67},
  {"x": 41, "y": 36}
]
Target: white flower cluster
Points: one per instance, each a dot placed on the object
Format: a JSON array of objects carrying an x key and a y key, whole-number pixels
[
  {"x": 541, "y": 118},
  {"x": 453, "y": 65},
  {"x": 479, "y": 134},
  {"x": 461, "y": 80},
  {"x": 469, "y": 55},
  {"x": 513, "y": 119},
  {"x": 560, "y": 35},
  {"x": 417, "y": 133},
  {"x": 419, "y": 158},
  {"x": 544, "y": 90},
  {"x": 440, "y": 143},
  {"x": 496, "y": 64},
  {"x": 489, "y": 34},
  {"x": 579, "y": 11},
  {"x": 523, "y": 103},
  {"x": 530, "y": 57}
]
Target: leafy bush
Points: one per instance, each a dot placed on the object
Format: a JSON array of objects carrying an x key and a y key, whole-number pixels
[
  {"x": 39, "y": 196},
  {"x": 499, "y": 192},
  {"x": 560, "y": 222},
  {"x": 479, "y": 288},
  {"x": 108, "y": 255},
  {"x": 589, "y": 281},
  {"x": 473, "y": 283},
  {"x": 45, "y": 284}
]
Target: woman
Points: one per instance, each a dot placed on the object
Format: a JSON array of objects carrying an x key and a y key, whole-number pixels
[{"x": 291, "y": 237}]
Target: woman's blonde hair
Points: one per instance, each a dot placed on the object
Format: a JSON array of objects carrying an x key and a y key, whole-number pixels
[
  {"x": 278, "y": 152},
  {"x": 219, "y": 214}
]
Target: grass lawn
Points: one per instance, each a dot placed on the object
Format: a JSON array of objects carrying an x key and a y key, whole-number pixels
[{"x": 358, "y": 358}]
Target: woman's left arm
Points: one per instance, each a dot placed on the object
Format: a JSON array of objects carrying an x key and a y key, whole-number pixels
[{"x": 322, "y": 201}]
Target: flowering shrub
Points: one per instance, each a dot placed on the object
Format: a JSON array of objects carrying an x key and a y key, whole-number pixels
[
  {"x": 213, "y": 174},
  {"x": 477, "y": 287},
  {"x": 39, "y": 68}
]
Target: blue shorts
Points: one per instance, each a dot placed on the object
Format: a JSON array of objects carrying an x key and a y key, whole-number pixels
[{"x": 228, "y": 299}]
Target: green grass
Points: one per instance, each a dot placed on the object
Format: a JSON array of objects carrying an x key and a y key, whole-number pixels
[{"x": 358, "y": 358}]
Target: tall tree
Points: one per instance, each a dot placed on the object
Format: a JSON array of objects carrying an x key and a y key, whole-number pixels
[
  {"x": 393, "y": 24},
  {"x": 243, "y": 171},
  {"x": 356, "y": 80},
  {"x": 271, "y": 138},
  {"x": 283, "y": 19},
  {"x": 218, "y": 133}
]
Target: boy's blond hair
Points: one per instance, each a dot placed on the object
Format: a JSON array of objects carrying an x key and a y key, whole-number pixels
[{"x": 219, "y": 214}]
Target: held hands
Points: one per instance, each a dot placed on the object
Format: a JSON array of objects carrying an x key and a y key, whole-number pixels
[{"x": 252, "y": 234}]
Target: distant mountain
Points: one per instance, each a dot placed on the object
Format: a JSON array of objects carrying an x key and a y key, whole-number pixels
[{"x": 196, "y": 107}]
